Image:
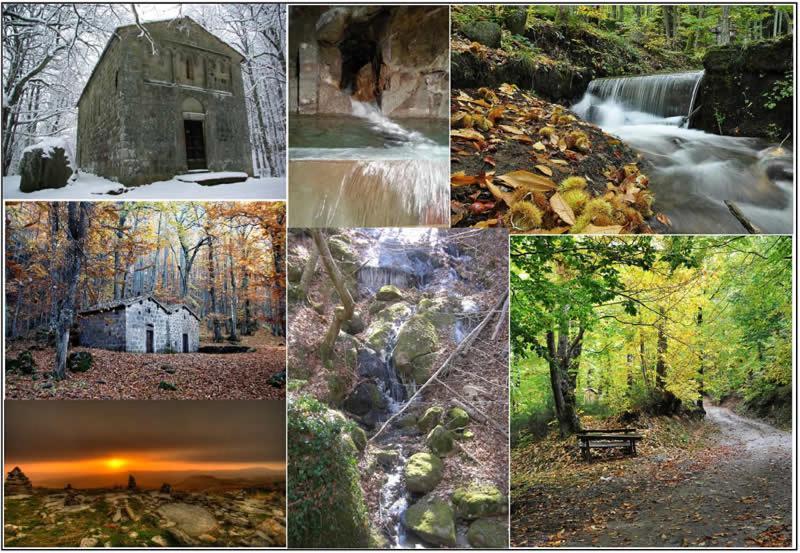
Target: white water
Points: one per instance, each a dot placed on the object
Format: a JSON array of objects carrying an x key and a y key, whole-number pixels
[{"x": 694, "y": 172}]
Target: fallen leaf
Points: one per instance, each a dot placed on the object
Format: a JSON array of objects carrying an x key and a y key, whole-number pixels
[
  {"x": 664, "y": 219},
  {"x": 562, "y": 208},
  {"x": 462, "y": 179},
  {"x": 528, "y": 180},
  {"x": 485, "y": 224},
  {"x": 469, "y": 134},
  {"x": 610, "y": 229},
  {"x": 500, "y": 194},
  {"x": 512, "y": 130},
  {"x": 539, "y": 147},
  {"x": 544, "y": 169}
]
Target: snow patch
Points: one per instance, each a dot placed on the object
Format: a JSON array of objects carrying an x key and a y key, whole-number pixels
[
  {"x": 197, "y": 176},
  {"x": 48, "y": 144},
  {"x": 87, "y": 186}
]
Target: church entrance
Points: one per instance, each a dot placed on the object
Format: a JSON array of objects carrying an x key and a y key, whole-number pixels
[{"x": 195, "y": 144}]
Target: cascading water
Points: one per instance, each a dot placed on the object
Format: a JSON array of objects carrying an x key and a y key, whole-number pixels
[
  {"x": 694, "y": 173},
  {"x": 394, "y": 133}
]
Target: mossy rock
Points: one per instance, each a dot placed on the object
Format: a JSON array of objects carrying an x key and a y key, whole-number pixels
[
  {"x": 355, "y": 325},
  {"x": 337, "y": 388},
  {"x": 440, "y": 311},
  {"x": 349, "y": 444},
  {"x": 432, "y": 520},
  {"x": 456, "y": 419},
  {"x": 365, "y": 398},
  {"x": 378, "y": 335},
  {"x": 487, "y": 533},
  {"x": 479, "y": 500},
  {"x": 423, "y": 472},
  {"x": 323, "y": 465},
  {"x": 167, "y": 386},
  {"x": 295, "y": 263},
  {"x": 406, "y": 421},
  {"x": 79, "y": 361},
  {"x": 342, "y": 252},
  {"x": 431, "y": 418},
  {"x": 416, "y": 342},
  {"x": 359, "y": 437},
  {"x": 389, "y": 292},
  {"x": 24, "y": 363},
  {"x": 439, "y": 440},
  {"x": 487, "y": 33},
  {"x": 394, "y": 312},
  {"x": 387, "y": 457},
  {"x": 277, "y": 380}
]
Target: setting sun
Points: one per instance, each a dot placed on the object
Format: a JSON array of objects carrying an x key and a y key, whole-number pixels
[{"x": 115, "y": 463}]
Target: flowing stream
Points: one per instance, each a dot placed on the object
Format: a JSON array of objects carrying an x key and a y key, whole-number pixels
[
  {"x": 406, "y": 258},
  {"x": 694, "y": 173}
]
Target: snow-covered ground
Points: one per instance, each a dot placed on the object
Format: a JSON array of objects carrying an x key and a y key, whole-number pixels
[{"x": 91, "y": 187}]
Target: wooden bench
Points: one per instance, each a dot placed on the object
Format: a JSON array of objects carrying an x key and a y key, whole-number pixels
[{"x": 608, "y": 438}]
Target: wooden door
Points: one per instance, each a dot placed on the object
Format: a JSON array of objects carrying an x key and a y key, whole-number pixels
[
  {"x": 195, "y": 144},
  {"x": 149, "y": 339},
  {"x": 185, "y": 343}
]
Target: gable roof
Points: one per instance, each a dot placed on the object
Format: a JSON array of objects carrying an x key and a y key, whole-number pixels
[
  {"x": 125, "y": 302},
  {"x": 116, "y": 36}
]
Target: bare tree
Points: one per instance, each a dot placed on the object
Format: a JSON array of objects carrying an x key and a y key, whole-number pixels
[{"x": 341, "y": 313}]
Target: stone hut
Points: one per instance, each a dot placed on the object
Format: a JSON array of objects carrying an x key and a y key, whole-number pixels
[
  {"x": 140, "y": 324},
  {"x": 17, "y": 483},
  {"x": 395, "y": 56},
  {"x": 163, "y": 103}
]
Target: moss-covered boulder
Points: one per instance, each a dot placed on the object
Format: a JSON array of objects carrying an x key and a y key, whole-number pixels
[
  {"x": 343, "y": 253},
  {"x": 423, "y": 472},
  {"x": 80, "y": 361},
  {"x": 366, "y": 397},
  {"x": 439, "y": 440},
  {"x": 387, "y": 457},
  {"x": 430, "y": 419},
  {"x": 488, "y": 533},
  {"x": 355, "y": 325},
  {"x": 322, "y": 465},
  {"x": 389, "y": 292},
  {"x": 295, "y": 263},
  {"x": 487, "y": 33},
  {"x": 456, "y": 419},
  {"x": 440, "y": 311},
  {"x": 393, "y": 312},
  {"x": 514, "y": 18},
  {"x": 24, "y": 363},
  {"x": 359, "y": 437},
  {"x": 479, "y": 500},
  {"x": 432, "y": 520},
  {"x": 414, "y": 353}
]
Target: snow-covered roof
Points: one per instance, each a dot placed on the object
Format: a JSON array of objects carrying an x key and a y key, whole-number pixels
[
  {"x": 115, "y": 35},
  {"x": 125, "y": 302}
]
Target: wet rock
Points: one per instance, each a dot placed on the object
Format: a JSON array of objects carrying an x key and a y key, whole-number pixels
[
  {"x": 88, "y": 542},
  {"x": 406, "y": 421},
  {"x": 456, "y": 419},
  {"x": 80, "y": 361},
  {"x": 423, "y": 472},
  {"x": 44, "y": 167},
  {"x": 416, "y": 342},
  {"x": 484, "y": 32},
  {"x": 440, "y": 311},
  {"x": 488, "y": 534},
  {"x": 17, "y": 483},
  {"x": 366, "y": 397},
  {"x": 439, "y": 440},
  {"x": 430, "y": 419},
  {"x": 387, "y": 458},
  {"x": 389, "y": 293},
  {"x": 479, "y": 500},
  {"x": 432, "y": 520}
]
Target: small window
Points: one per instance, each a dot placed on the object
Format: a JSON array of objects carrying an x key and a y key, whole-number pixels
[
  {"x": 189, "y": 70},
  {"x": 116, "y": 80}
]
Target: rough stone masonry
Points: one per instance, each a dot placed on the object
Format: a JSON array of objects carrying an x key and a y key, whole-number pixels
[{"x": 164, "y": 104}]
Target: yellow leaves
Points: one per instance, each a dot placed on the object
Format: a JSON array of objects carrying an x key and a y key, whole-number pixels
[
  {"x": 508, "y": 89},
  {"x": 496, "y": 113},
  {"x": 461, "y": 179},
  {"x": 544, "y": 169},
  {"x": 486, "y": 224},
  {"x": 527, "y": 180},
  {"x": 512, "y": 130},
  {"x": 562, "y": 208},
  {"x": 500, "y": 194},
  {"x": 539, "y": 147},
  {"x": 469, "y": 134},
  {"x": 525, "y": 139}
]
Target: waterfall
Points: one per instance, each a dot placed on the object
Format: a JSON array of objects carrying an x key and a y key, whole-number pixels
[
  {"x": 393, "y": 132},
  {"x": 373, "y": 277},
  {"x": 693, "y": 173},
  {"x": 389, "y": 193},
  {"x": 667, "y": 95}
]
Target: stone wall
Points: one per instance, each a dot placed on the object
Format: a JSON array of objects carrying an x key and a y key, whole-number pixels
[
  {"x": 104, "y": 329},
  {"x": 396, "y": 56},
  {"x": 182, "y": 322},
  {"x": 143, "y": 315},
  {"x": 142, "y": 139}
]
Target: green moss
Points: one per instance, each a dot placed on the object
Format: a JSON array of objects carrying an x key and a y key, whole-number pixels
[
  {"x": 80, "y": 361},
  {"x": 430, "y": 419},
  {"x": 359, "y": 437},
  {"x": 479, "y": 500},
  {"x": 168, "y": 386},
  {"x": 328, "y": 509},
  {"x": 488, "y": 534},
  {"x": 440, "y": 440},
  {"x": 416, "y": 340},
  {"x": 456, "y": 419},
  {"x": 432, "y": 520},
  {"x": 423, "y": 472}
]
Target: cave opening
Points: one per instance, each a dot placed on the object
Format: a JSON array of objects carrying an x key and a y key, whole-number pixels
[{"x": 361, "y": 65}]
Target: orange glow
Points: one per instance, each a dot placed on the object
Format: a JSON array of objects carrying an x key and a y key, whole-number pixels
[{"x": 115, "y": 463}]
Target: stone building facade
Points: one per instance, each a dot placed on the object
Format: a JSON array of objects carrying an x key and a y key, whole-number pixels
[
  {"x": 155, "y": 109},
  {"x": 141, "y": 324},
  {"x": 395, "y": 56}
]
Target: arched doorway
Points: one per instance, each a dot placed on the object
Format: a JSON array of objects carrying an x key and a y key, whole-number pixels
[{"x": 194, "y": 133}]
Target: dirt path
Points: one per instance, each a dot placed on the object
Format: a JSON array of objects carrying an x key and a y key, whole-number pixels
[{"x": 743, "y": 499}]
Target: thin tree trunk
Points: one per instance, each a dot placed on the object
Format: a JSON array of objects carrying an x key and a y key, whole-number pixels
[{"x": 341, "y": 313}]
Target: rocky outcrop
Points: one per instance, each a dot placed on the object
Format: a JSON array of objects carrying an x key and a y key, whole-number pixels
[
  {"x": 747, "y": 90},
  {"x": 487, "y": 33},
  {"x": 423, "y": 472},
  {"x": 44, "y": 167},
  {"x": 396, "y": 57},
  {"x": 415, "y": 350},
  {"x": 487, "y": 533},
  {"x": 432, "y": 520},
  {"x": 479, "y": 500},
  {"x": 17, "y": 483}
]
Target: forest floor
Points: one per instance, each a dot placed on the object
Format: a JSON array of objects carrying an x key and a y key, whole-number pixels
[
  {"x": 726, "y": 483},
  {"x": 89, "y": 186},
  {"x": 124, "y": 375}
]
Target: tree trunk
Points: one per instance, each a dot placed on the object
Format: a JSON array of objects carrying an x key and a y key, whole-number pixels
[
  {"x": 212, "y": 291},
  {"x": 700, "y": 376},
  {"x": 308, "y": 274},
  {"x": 563, "y": 359},
  {"x": 77, "y": 229},
  {"x": 234, "y": 334},
  {"x": 343, "y": 312},
  {"x": 725, "y": 26}
]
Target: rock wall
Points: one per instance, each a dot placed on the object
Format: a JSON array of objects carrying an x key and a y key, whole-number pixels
[
  {"x": 397, "y": 57},
  {"x": 105, "y": 329},
  {"x": 747, "y": 91}
]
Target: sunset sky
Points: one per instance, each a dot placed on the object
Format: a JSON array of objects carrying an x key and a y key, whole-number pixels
[{"x": 55, "y": 442}]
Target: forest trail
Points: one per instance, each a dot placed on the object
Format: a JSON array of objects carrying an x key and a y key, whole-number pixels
[{"x": 742, "y": 499}]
